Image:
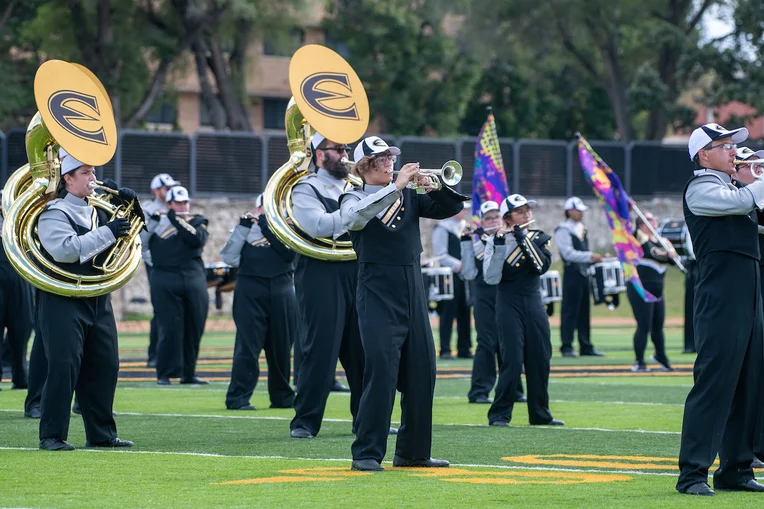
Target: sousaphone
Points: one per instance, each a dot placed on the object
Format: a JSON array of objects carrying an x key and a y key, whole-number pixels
[{"x": 328, "y": 97}]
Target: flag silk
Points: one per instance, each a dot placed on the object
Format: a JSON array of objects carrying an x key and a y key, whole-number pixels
[
  {"x": 489, "y": 181},
  {"x": 607, "y": 187}
]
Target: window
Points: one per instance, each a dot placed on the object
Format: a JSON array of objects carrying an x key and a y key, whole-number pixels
[
  {"x": 283, "y": 44},
  {"x": 337, "y": 45},
  {"x": 273, "y": 112},
  {"x": 205, "y": 118},
  {"x": 163, "y": 112}
]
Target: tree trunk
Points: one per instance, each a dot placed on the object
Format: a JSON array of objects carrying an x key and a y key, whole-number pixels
[
  {"x": 7, "y": 14},
  {"x": 238, "y": 120},
  {"x": 617, "y": 91},
  {"x": 208, "y": 96}
]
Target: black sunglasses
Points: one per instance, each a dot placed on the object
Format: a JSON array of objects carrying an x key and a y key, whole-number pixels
[{"x": 339, "y": 148}]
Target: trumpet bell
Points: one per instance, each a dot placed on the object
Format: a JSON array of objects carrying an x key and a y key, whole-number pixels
[{"x": 452, "y": 173}]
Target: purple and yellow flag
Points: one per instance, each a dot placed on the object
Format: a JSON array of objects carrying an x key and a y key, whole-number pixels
[
  {"x": 607, "y": 187},
  {"x": 489, "y": 181}
]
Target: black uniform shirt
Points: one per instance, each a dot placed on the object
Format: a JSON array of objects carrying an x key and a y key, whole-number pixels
[
  {"x": 507, "y": 262},
  {"x": 257, "y": 251},
  {"x": 177, "y": 244}
]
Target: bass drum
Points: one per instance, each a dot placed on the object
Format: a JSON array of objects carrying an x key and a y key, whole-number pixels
[{"x": 676, "y": 232}]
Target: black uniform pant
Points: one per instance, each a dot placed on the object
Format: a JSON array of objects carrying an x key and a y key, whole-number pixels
[
  {"x": 399, "y": 353},
  {"x": 153, "y": 328},
  {"x": 265, "y": 313},
  {"x": 650, "y": 317},
  {"x": 15, "y": 316},
  {"x": 576, "y": 311},
  {"x": 720, "y": 411},
  {"x": 80, "y": 339},
  {"x": 689, "y": 302},
  {"x": 326, "y": 296},
  {"x": 525, "y": 338},
  {"x": 758, "y": 442},
  {"x": 38, "y": 371},
  {"x": 181, "y": 304},
  {"x": 458, "y": 308}
]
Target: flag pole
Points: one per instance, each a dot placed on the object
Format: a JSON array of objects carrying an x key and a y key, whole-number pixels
[{"x": 676, "y": 260}]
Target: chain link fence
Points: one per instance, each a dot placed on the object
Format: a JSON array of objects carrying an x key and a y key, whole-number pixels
[{"x": 239, "y": 164}]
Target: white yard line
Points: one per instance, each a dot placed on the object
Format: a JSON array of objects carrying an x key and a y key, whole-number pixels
[{"x": 348, "y": 460}]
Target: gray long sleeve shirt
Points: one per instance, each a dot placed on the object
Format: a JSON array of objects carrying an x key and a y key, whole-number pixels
[
  {"x": 61, "y": 241},
  {"x": 231, "y": 252},
  {"x": 471, "y": 249},
  {"x": 152, "y": 207},
  {"x": 360, "y": 206},
  {"x": 495, "y": 256},
  {"x": 440, "y": 243},
  {"x": 562, "y": 237},
  {"x": 712, "y": 195},
  {"x": 308, "y": 210}
]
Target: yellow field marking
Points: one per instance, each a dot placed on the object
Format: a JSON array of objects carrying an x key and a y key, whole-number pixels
[
  {"x": 318, "y": 474},
  {"x": 282, "y": 479},
  {"x": 598, "y": 461}
]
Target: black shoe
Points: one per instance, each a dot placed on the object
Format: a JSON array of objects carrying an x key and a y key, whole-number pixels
[
  {"x": 33, "y": 413},
  {"x": 569, "y": 353},
  {"x": 466, "y": 355},
  {"x": 338, "y": 387},
  {"x": 76, "y": 408},
  {"x": 163, "y": 381},
  {"x": 366, "y": 466},
  {"x": 757, "y": 463},
  {"x": 243, "y": 407},
  {"x": 749, "y": 485},
  {"x": 114, "y": 442},
  {"x": 300, "y": 433},
  {"x": 446, "y": 356},
  {"x": 501, "y": 422},
  {"x": 640, "y": 367},
  {"x": 482, "y": 400},
  {"x": 428, "y": 463},
  {"x": 699, "y": 488},
  {"x": 195, "y": 380},
  {"x": 664, "y": 363},
  {"x": 555, "y": 422},
  {"x": 18, "y": 387},
  {"x": 592, "y": 353},
  {"x": 151, "y": 363},
  {"x": 520, "y": 398},
  {"x": 393, "y": 431},
  {"x": 55, "y": 444}
]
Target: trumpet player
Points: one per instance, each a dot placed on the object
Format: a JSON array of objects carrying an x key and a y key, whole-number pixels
[
  {"x": 383, "y": 219},
  {"x": 178, "y": 287},
  {"x": 325, "y": 294},
  {"x": 160, "y": 186},
  {"x": 514, "y": 259},
  {"x": 79, "y": 334},
  {"x": 264, "y": 310}
]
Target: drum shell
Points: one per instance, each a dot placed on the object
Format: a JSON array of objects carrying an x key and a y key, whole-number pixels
[
  {"x": 551, "y": 287},
  {"x": 438, "y": 283}
]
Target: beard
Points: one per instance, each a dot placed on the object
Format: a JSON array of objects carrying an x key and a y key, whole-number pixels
[{"x": 335, "y": 168}]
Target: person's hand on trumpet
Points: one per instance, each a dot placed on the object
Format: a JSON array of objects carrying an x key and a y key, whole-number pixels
[{"x": 407, "y": 174}]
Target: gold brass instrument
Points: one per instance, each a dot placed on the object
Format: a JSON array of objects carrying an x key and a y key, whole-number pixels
[
  {"x": 342, "y": 117},
  {"x": 757, "y": 166},
  {"x": 450, "y": 174},
  {"x": 74, "y": 113}
]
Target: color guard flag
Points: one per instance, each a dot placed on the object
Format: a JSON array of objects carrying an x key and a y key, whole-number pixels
[{"x": 489, "y": 181}]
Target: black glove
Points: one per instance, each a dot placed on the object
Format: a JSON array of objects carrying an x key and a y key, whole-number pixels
[
  {"x": 127, "y": 194},
  {"x": 519, "y": 234},
  {"x": 262, "y": 221},
  {"x": 120, "y": 227},
  {"x": 155, "y": 217},
  {"x": 499, "y": 240},
  {"x": 466, "y": 236},
  {"x": 479, "y": 232},
  {"x": 111, "y": 184},
  {"x": 245, "y": 221},
  {"x": 171, "y": 214}
]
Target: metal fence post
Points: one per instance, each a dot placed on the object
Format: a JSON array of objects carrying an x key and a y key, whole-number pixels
[
  {"x": 515, "y": 167},
  {"x": 3, "y": 157},
  {"x": 627, "y": 167},
  {"x": 192, "y": 164},
  {"x": 569, "y": 169}
]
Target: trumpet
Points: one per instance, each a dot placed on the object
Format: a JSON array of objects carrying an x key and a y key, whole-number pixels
[
  {"x": 450, "y": 174},
  {"x": 757, "y": 166}
]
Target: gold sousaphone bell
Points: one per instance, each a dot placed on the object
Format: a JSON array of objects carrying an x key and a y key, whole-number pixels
[{"x": 74, "y": 113}]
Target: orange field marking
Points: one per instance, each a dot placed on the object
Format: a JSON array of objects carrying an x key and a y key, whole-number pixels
[{"x": 597, "y": 461}]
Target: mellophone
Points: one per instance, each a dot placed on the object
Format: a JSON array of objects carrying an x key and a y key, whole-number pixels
[{"x": 222, "y": 277}]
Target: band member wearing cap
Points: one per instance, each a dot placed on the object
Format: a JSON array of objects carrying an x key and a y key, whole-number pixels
[
  {"x": 720, "y": 411},
  {"x": 15, "y": 316},
  {"x": 79, "y": 334},
  {"x": 744, "y": 176},
  {"x": 160, "y": 185},
  {"x": 264, "y": 310},
  {"x": 325, "y": 293},
  {"x": 487, "y": 355},
  {"x": 178, "y": 287},
  {"x": 650, "y": 315},
  {"x": 514, "y": 259},
  {"x": 383, "y": 219},
  {"x": 447, "y": 249},
  {"x": 570, "y": 237}
]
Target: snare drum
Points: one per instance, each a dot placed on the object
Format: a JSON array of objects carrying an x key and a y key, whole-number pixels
[
  {"x": 676, "y": 232},
  {"x": 438, "y": 283},
  {"x": 551, "y": 287},
  {"x": 606, "y": 280}
]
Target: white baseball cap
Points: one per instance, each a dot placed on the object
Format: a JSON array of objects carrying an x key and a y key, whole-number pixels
[
  {"x": 68, "y": 163},
  {"x": 177, "y": 194},
  {"x": 371, "y": 146},
  {"x": 705, "y": 134},
  {"x": 747, "y": 153},
  {"x": 259, "y": 200},
  {"x": 163, "y": 179},
  {"x": 317, "y": 139},
  {"x": 575, "y": 203},
  {"x": 514, "y": 201},
  {"x": 488, "y": 206}
]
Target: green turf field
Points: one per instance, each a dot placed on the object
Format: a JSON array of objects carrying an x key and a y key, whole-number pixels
[{"x": 618, "y": 449}]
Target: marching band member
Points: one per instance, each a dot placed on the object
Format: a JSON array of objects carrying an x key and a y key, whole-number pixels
[
  {"x": 15, "y": 316},
  {"x": 650, "y": 315},
  {"x": 487, "y": 352},
  {"x": 79, "y": 334},
  {"x": 178, "y": 287},
  {"x": 383, "y": 219},
  {"x": 570, "y": 238},
  {"x": 514, "y": 262},
  {"x": 264, "y": 310},
  {"x": 160, "y": 185},
  {"x": 325, "y": 293},
  {"x": 447, "y": 249},
  {"x": 720, "y": 411}
]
